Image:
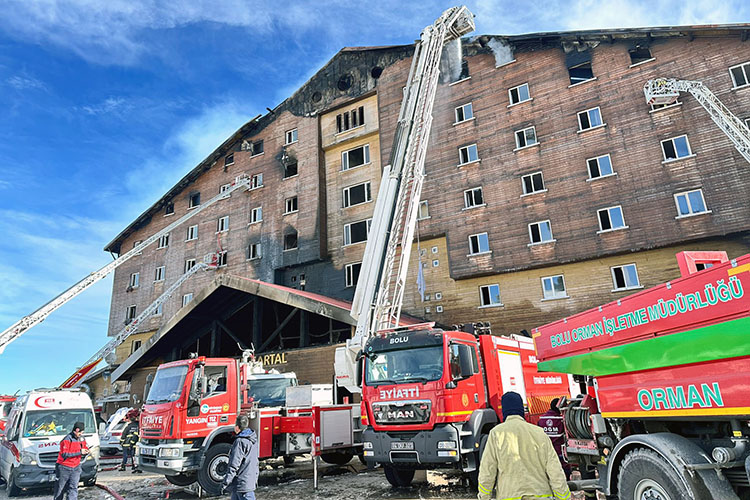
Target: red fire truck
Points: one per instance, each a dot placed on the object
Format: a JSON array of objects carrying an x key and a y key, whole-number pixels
[
  {"x": 667, "y": 409},
  {"x": 430, "y": 397},
  {"x": 187, "y": 423}
]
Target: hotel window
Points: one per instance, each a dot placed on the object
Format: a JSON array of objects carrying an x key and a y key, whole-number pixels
[
  {"x": 290, "y": 170},
  {"x": 222, "y": 261},
  {"x": 526, "y": 137},
  {"x": 464, "y": 113},
  {"x": 192, "y": 233},
  {"x": 129, "y": 314},
  {"x": 163, "y": 241},
  {"x": 189, "y": 264},
  {"x": 610, "y": 219},
  {"x": 229, "y": 160},
  {"x": 159, "y": 273},
  {"x": 540, "y": 232},
  {"x": 256, "y": 181},
  {"x": 194, "y": 200},
  {"x": 581, "y": 73},
  {"x": 357, "y": 194},
  {"x": 256, "y": 215},
  {"x": 625, "y": 277},
  {"x": 253, "y": 251},
  {"x": 135, "y": 345},
  {"x": 169, "y": 208},
  {"x": 186, "y": 299},
  {"x": 352, "y": 274},
  {"x": 519, "y": 94},
  {"x": 290, "y": 241},
  {"x": 291, "y": 136},
  {"x": 135, "y": 244},
  {"x": 479, "y": 243},
  {"x": 159, "y": 310},
  {"x": 553, "y": 287},
  {"x": 690, "y": 203},
  {"x": 255, "y": 148},
  {"x": 355, "y": 157},
  {"x": 601, "y": 166},
  {"x": 350, "y": 119},
  {"x": 222, "y": 225},
  {"x": 533, "y": 183},
  {"x": 290, "y": 205},
  {"x": 489, "y": 295},
  {"x": 740, "y": 74},
  {"x": 473, "y": 198},
  {"x": 423, "y": 212},
  {"x": 676, "y": 148},
  {"x": 591, "y": 118},
  {"x": 135, "y": 279},
  {"x": 640, "y": 55},
  {"x": 467, "y": 154},
  {"x": 356, "y": 232}
]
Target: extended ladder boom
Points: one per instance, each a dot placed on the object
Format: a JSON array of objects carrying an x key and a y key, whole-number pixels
[
  {"x": 667, "y": 90},
  {"x": 18, "y": 328},
  {"x": 210, "y": 262}
]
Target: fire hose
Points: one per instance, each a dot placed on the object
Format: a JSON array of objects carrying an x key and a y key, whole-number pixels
[
  {"x": 109, "y": 490},
  {"x": 577, "y": 420}
]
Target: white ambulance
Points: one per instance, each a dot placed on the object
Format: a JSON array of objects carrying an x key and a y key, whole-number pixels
[{"x": 38, "y": 421}]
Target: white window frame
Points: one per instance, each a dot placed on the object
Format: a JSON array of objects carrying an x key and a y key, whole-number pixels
[
  {"x": 192, "y": 233},
  {"x": 745, "y": 71},
  {"x": 290, "y": 136},
  {"x": 531, "y": 176},
  {"x": 253, "y": 146},
  {"x": 598, "y": 166},
  {"x": 554, "y": 295},
  {"x": 163, "y": 241},
  {"x": 462, "y": 109},
  {"x": 687, "y": 199},
  {"x": 223, "y": 259},
  {"x": 135, "y": 279},
  {"x": 479, "y": 244},
  {"x": 254, "y": 251},
  {"x": 294, "y": 200},
  {"x": 135, "y": 345},
  {"x": 167, "y": 207},
  {"x": 160, "y": 273},
  {"x": 527, "y": 145},
  {"x": 348, "y": 232},
  {"x": 365, "y": 157},
  {"x": 187, "y": 298},
  {"x": 468, "y": 148},
  {"x": 541, "y": 241},
  {"x": 423, "y": 211},
  {"x": 229, "y": 160},
  {"x": 222, "y": 224},
  {"x": 135, "y": 244},
  {"x": 615, "y": 288},
  {"x": 256, "y": 215},
  {"x": 256, "y": 181},
  {"x": 346, "y": 194},
  {"x": 191, "y": 200},
  {"x": 517, "y": 89},
  {"x": 189, "y": 264},
  {"x": 470, "y": 193},
  {"x": 159, "y": 310},
  {"x": 296, "y": 243},
  {"x": 678, "y": 158},
  {"x": 350, "y": 274},
  {"x": 130, "y": 313},
  {"x": 587, "y": 112},
  {"x": 482, "y": 304},
  {"x": 609, "y": 216}
]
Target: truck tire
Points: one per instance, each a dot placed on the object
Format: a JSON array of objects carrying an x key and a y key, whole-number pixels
[
  {"x": 214, "y": 469},
  {"x": 474, "y": 475},
  {"x": 182, "y": 479},
  {"x": 399, "y": 478},
  {"x": 12, "y": 489},
  {"x": 644, "y": 474},
  {"x": 337, "y": 457}
]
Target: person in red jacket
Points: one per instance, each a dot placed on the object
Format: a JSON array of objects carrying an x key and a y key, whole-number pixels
[
  {"x": 552, "y": 423},
  {"x": 68, "y": 468}
]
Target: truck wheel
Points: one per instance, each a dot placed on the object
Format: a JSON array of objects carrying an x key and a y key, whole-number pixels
[
  {"x": 474, "y": 475},
  {"x": 215, "y": 467},
  {"x": 399, "y": 478},
  {"x": 12, "y": 489},
  {"x": 288, "y": 460},
  {"x": 644, "y": 474},
  {"x": 337, "y": 457},
  {"x": 182, "y": 479}
]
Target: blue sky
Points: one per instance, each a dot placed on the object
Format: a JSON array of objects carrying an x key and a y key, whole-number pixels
[{"x": 106, "y": 104}]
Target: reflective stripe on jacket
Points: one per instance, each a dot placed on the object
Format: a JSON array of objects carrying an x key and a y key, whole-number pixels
[
  {"x": 129, "y": 436},
  {"x": 520, "y": 462}
]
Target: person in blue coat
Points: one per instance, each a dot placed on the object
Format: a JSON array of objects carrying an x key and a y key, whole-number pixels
[{"x": 242, "y": 473}]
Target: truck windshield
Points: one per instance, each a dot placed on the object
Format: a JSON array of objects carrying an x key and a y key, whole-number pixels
[
  {"x": 167, "y": 386},
  {"x": 405, "y": 365},
  {"x": 57, "y": 422},
  {"x": 270, "y": 391}
]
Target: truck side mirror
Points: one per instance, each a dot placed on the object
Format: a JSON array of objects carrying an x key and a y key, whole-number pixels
[
  {"x": 203, "y": 385},
  {"x": 465, "y": 360},
  {"x": 102, "y": 426},
  {"x": 359, "y": 369}
]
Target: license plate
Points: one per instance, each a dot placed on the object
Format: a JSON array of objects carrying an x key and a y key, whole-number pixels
[
  {"x": 148, "y": 451},
  {"x": 402, "y": 445}
]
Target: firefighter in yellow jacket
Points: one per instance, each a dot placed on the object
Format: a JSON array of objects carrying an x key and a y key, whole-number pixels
[{"x": 519, "y": 461}]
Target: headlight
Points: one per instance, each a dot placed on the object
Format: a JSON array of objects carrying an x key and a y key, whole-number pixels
[
  {"x": 446, "y": 445},
  {"x": 27, "y": 458},
  {"x": 169, "y": 452},
  {"x": 367, "y": 445}
]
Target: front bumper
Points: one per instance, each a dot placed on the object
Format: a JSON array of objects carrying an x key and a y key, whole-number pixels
[
  {"x": 149, "y": 459},
  {"x": 27, "y": 476},
  {"x": 424, "y": 453}
]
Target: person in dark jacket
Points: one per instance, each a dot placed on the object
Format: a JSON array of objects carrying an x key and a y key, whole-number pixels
[
  {"x": 242, "y": 474},
  {"x": 68, "y": 467},
  {"x": 552, "y": 423},
  {"x": 128, "y": 440}
]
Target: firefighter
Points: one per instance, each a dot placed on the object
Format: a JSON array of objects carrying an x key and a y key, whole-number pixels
[
  {"x": 129, "y": 439},
  {"x": 552, "y": 423},
  {"x": 242, "y": 470},
  {"x": 68, "y": 467},
  {"x": 519, "y": 460}
]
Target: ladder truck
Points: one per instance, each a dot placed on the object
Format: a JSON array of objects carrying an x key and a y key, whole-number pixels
[
  {"x": 429, "y": 397},
  {"x": 21, "y": 326}
]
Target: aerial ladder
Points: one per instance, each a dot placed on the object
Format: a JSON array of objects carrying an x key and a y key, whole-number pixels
[
  {"x": 210, "y": 261},
  {"x": 382, "y": 279},
  {"x": 666, "y": 91},
  {"x": 22, "y": 325}
]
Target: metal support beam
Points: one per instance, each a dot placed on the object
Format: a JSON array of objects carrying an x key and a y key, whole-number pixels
[
  {"x": 304, "y": 329},
  {"x": 229, "y": 332},
  {"x": 257, "y": 334},
  {"x": 278, "y": 329}
]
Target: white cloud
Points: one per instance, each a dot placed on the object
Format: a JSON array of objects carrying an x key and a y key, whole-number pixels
[
  {"x": 24, "y": 82},
  {"x": 110, "y": 106}
]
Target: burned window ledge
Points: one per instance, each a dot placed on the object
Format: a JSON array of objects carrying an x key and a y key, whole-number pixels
[
  {"x": 675, "y": 105},
  {"x": 505, "y": 64},
  {"x": 459, "y": 81},
  {"x": 603, "y": 231},
  {"x": 692, "y": 155},
  {"x": 581, "y": 83},
  {"x": 642, "y": 62},
  {"x": 536, "y": 244},
  {"x": 290, "y": 177},
  {"x": 257, "y": 154},
  {"x": 591, "y": 128}
]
